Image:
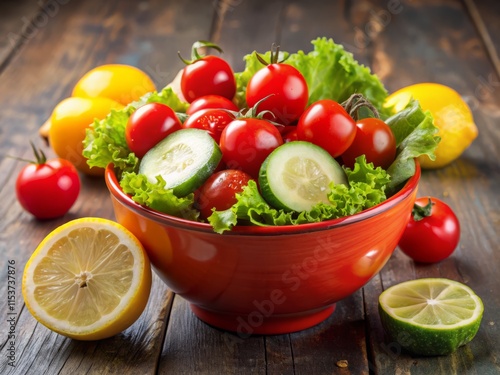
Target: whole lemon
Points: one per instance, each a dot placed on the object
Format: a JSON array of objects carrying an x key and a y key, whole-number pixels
[
  {"x": 68, "y": 124},
  {"x": 122, "y": 83},
  {"x": 452, "y": 116}
]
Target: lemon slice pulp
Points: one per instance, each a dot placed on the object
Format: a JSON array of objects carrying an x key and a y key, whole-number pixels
[
  {"x": 432, "y": 316},
  {"x": 89, "y": 279}
]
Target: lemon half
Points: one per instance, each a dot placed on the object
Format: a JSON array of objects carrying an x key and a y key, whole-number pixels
[{"x": 89, "y": 279}]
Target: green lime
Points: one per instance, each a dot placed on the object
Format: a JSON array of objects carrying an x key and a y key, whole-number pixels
[
  {"x": 297, "y": 175},
  {"x": 431, "y": 316}
]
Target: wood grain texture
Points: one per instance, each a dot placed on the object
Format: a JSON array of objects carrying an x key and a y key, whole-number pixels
[
  {"x": 20, "y": 22},
  {"x": 484, "y": 15},
  {"x": 193, "y": 347}
]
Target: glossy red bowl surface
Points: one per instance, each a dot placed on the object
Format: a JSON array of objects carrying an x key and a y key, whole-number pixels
[{"x": 267, "y": 280}]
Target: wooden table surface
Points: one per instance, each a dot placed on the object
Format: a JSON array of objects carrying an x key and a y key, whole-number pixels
[{"x": 47, "y": 45}]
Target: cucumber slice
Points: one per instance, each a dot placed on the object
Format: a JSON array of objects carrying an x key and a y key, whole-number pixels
[
  {"x": 296, "y": 176},
  {"x": 185, "y": 159}
]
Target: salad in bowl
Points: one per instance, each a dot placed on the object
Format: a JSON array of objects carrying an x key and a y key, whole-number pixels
[
  {"x": 294, "y": 138},
  {"x": 265, "y": 196}
]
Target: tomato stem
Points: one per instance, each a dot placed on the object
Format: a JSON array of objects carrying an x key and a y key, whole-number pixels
[
  {"x": 420, "y": 212},
  {"x": 195, "y": 55},
  {"x": 39, "y": 155},
  {"x": 355, "y": 103},
  {"x": 274, "y": 59},
  {"x": 252, "y": 112}
]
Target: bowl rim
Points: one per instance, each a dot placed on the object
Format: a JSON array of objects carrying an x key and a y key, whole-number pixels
[{"x": 179, "y": 222}]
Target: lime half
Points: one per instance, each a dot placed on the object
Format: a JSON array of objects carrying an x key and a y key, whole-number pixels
[{"x": 431, "y": 316}]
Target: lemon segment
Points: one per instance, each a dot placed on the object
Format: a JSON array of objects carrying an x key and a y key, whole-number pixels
[
  {"x": 432, "y": 316},
  {"x": 452, "y": 116},
  {"x": 89, "y": 279}
]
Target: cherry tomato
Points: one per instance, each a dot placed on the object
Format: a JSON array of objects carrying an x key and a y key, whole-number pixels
[
  {"x": 327, "y": 124},
  {"x": 212, "y": 120},
  {"x": 219, "y": 191},
  {"x": 290, "y": 136},
  {"x": 246, "y": 142},
  {"x": 432, "y": 233},
  {"x": 211, "y": 101},
  {"x": 148, "y": 125},
  {"x": 283, "y": 129},
  {"x": 285, "y": 89},
  {"x": 47, "y": 188},
  {"x": 374, "y": 139},
  {"x": 209, "y": 75}
]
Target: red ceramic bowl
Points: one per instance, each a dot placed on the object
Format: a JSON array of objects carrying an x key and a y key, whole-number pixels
[{"x": 267, "y": 280}]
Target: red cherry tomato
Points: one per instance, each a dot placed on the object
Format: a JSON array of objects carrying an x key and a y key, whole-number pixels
[
  {"x": 48, "y": 188},
  {"x": 212, "y": 120},
  {"x": 283, "y": 129},
  {"x": 327, "y": 124},
  {"x": 290, "y": 136},
  {"x": 219, "y": 191},
  {"x": 211, "y": 101},
  {"x": 209, "y": 75},
  {"x": 433, "y": 231},
  {"x": 374, "y": 139},
  {"x": 285, "y": 89},
  {"x": 246, "y": 142},
  {"x": 148, "y": 125}
]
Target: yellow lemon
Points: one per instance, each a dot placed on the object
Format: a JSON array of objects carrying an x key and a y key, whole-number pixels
[
  {"x": 122, "y": 83},
  {"x": 68, "y": 124},
  {"x": 452, "y": 116},
  {"x": 89, "y": 279}
]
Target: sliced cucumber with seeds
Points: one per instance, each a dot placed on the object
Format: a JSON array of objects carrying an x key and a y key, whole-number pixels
[
  {"x": 297, "y": 175},
  {"x": 184, "y": 159}
]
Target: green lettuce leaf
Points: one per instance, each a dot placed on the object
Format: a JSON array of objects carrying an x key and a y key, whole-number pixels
[
  {"x": 366, "y": 189},
  {"x": 415, "y": 134},
  {"x": 105, "y": 141},
  {"x": 329, "y": 70},
  {"x": 157, "y": 197}
]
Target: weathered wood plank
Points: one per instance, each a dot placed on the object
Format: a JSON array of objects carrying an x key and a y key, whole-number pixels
[
  {"x": 20, "y": 22},
  {"x": 336, "y": 346},
  {"x": 80, "y": 36},
  {"x": 484, "y": 15},
  {"x": 193, "y": 347}
]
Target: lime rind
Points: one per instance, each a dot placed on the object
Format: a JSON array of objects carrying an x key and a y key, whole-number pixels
[{"x": 430, "y": 326}]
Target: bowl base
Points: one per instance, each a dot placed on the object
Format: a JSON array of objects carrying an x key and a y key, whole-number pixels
[{"x": 256, "y": 323}]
